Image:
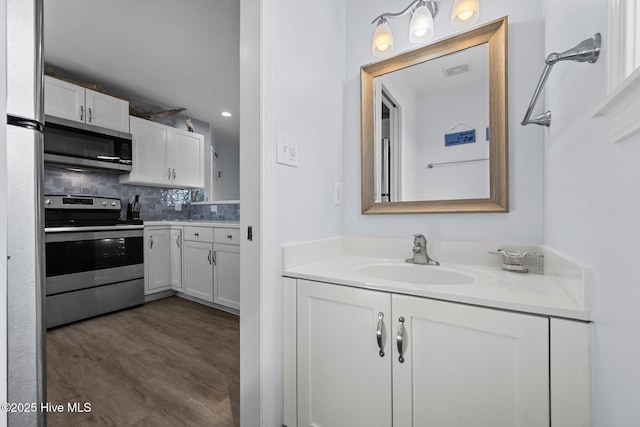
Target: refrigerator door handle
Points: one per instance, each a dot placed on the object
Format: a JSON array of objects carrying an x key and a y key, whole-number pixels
[{"x": 25, "y": 123}]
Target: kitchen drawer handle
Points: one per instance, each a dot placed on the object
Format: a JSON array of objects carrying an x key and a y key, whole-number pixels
[
  {"x": 81, "y": 113},
  {"x": 209, "y": 257},
  {"x": 379, "y": 337},
  {"x": 196, "y": 234},
  {"x": 229, "y": 236},
  {"x": 400, "y": 340},
  {"x": 150, "y": 242},
  {"x": 89, "y": 111},
  {"x": 178, "y": 240}
]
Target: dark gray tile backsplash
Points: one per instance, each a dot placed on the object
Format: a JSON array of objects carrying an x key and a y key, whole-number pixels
[{"x": 157, "y": 203}]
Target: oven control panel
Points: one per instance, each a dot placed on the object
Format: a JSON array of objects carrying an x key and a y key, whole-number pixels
[{"x": 80, "y": 202}]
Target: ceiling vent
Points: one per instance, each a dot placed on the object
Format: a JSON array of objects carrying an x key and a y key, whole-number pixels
[{"x": 454, "y": 70}]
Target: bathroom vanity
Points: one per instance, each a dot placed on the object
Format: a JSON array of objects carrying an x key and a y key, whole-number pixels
[{"x": 370, "y": 340}]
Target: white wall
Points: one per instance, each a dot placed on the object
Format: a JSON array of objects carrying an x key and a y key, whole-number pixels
[
  {"x": 592, "y": 205},
  {"x": 441, "y": 114},
  {"x": 230, "y": 167},
  {"x": 307, "y": 103},
  {"x": 524, "y": 222}
]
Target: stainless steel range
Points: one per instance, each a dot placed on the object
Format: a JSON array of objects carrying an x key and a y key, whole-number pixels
[{"x": 94, "y": 260}]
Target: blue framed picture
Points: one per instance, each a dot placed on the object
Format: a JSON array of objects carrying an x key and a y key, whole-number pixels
[{"x": 458, "y": 138}]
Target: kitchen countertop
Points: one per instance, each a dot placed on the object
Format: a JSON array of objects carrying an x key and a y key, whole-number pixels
[
  {"x": 218, "y": 224},
  {"x": 561, "y": 292}
]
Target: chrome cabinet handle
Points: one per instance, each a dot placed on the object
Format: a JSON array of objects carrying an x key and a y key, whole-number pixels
[
  {"x": 379, "y": 334},
  {"x": 174, "y": 174},
  {"x": 89, "y": 111},
  {"x": 150, "y": 242},
  {"x": 209, "y": 257},
  {"x": 178, "y": 240},
  {"x": 400, "y": 340},
  {"x": 81, "y": 113},
  {"x": 169, "y": 174}
]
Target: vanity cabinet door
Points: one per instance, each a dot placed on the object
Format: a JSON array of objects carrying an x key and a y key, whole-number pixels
[
  {"x": 342, "y": 380},
  {"x": 469, "y": 366}
]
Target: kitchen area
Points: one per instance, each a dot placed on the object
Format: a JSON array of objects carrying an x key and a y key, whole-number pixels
[{"x": 142, "y": 248}]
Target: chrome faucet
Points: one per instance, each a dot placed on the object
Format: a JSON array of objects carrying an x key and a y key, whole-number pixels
[{"x": 420, "y": 255}]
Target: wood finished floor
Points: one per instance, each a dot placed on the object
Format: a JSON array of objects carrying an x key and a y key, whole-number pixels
[{"x": 170, "y": 362}]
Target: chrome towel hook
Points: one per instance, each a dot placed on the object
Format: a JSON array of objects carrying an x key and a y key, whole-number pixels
[{"x": 587, "y": 51}]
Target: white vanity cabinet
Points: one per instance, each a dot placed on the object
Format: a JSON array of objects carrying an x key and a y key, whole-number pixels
[
  {"x": 76, "y": 103},
  {"x": 165, "y": 156},
  {"x": 157, "y": 259},
  {"x": 443, "y": 364}
]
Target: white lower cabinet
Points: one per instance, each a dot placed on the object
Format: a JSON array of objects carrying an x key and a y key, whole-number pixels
[
  {"x": 369, "y": 358},
  {"x": 176, "y": 259},
  {"x": 226, "y": 273},
  {"x": 189, "y": 259},
  {"x": 157, "y": 256},
  {"x": 198, "y": 269}
]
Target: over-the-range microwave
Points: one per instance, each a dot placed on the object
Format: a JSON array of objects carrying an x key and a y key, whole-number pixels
[{"x": 83, "y": 146}]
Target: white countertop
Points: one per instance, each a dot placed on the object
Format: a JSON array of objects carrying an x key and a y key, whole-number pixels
[
  {"x": 218, "y": 224},
  {"x": 561, "y": 292}
]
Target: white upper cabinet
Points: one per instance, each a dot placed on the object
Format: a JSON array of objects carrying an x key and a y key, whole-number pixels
[
  {"x": 165, "y": 156},
  {"x": 73, "y": 102}
]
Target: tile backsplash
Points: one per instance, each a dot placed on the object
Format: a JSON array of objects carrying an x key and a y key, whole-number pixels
[{"x": 157, "y": 203}]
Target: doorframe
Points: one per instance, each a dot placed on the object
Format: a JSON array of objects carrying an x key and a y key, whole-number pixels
[
  {"x": 3, "y": 213},
  {"x": 257, "y": 195}
]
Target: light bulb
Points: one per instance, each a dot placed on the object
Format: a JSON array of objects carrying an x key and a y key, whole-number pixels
[
  {"x": 464, "y": 13},
  {"x": 382, "y": 42},
  {"x": 421, "y": 26},
  {"x": 420, "y": 33}
]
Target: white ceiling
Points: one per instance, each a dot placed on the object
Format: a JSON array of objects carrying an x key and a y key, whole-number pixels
[
  {"x": 429, "y": 77},
  {"x": 170, "y": 53}
]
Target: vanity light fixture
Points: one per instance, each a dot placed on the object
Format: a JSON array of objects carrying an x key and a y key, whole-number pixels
[{"x": 421, "y": 27}]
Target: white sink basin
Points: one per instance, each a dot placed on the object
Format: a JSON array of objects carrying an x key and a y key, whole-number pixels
[{"x": 416, "y": 274}]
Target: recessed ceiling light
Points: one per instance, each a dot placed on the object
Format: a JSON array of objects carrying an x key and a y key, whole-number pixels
[{"x": 226, "y": 114}]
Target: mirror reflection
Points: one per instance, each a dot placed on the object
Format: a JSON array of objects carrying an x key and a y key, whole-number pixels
[{"x": 433, "y": 125}]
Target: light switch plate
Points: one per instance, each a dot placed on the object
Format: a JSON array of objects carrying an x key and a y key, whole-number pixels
[{"x": 287, "y": 147}]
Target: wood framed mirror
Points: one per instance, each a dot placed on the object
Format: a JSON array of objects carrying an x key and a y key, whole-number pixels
[{"x": 443, "y": 147}]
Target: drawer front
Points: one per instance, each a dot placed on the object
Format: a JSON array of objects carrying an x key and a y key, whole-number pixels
[
  {"x": 230, "y": 236},
  {"x": 198, "y": 234}
]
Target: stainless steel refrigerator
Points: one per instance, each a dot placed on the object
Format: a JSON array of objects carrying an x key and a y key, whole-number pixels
[{"x": 24, "y": 230}]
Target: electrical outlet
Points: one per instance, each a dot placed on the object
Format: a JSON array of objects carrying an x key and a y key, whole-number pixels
[
  {"x": 178, "y": 206},
  {"x": 287, "y": 150},
  {"x": 214, "y": 208},
  {"x": 337, "y": 193}
]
